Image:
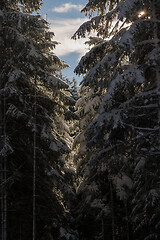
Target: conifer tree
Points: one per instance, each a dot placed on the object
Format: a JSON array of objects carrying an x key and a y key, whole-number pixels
[
  {"x": 33, "y": 131},
  {"x": 122, "y": 142}
]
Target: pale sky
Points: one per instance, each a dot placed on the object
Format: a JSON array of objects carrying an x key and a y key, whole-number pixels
[{"x": 65, "y": 18}]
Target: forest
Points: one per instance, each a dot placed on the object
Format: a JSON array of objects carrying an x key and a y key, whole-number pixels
[{"x": 80, "y": 163}]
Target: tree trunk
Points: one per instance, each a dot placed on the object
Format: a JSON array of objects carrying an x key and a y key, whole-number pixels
[
  {"x": 1, "y": 165},
  {"x": 112, "y": 211},
  {"x": 3, "y": 160},
  {"x": 103, "y": 233},
  {"x": 34, "y": 161},
  {"x": 127, "y": 225},
  {"x": 5, "y": 175},
  {"x": 2, "y": 199},
  {"x": 156, "y": 41}
]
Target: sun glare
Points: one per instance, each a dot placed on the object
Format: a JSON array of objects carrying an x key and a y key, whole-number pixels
[{"x": 141, "y": 14}]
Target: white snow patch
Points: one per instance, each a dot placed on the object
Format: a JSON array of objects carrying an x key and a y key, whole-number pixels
[
  {"x": 140, "y": 164},
  {"x": 93, "y": 187},
  {"x": 15, "y": 74},
  {"x": 65, "y": 234},
  {"x": 54, "y": 147},
  {"x": 121, "y": 182}
]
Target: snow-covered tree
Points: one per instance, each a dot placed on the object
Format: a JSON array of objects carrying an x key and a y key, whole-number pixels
[
  {"x": 73, "y": 87},
  {"x": 34, "y": 133},
  {"x": 122, "y": 148},
  {"x": 86, "y": 109}
]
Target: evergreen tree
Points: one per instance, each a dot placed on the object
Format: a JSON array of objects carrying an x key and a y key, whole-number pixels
[
  {"x": 119, "y": 185},
  {"x": 73, "y": 88},
  {"x": 86, "y": 109},
  {"x": 33, "y": 131}
]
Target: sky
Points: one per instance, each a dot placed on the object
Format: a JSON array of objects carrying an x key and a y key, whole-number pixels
[{"x": 65, "y": 18}]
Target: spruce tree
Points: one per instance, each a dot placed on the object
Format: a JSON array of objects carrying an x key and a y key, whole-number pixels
[
  {"x": 33, "y": 132},
  {"x": 122, "y": 141}
]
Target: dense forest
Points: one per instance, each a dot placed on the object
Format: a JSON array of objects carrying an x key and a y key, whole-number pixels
[{"x": 80, "y": 163}]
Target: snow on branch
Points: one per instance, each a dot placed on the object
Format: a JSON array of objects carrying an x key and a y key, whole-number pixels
[
  {"x": 123, "y": 41},
  {"x": 14, "y": 112},
  {"x": 91, "y": 58},
  {"x": 95, "y": 5},
  {"x": 56, "y": 82},
  {"x": 15, "y": 35},
  {"x": 122, "y": 183},
  {"x": 98, "y": 72},
  {"x": 87, "y": 27},
  {"x": 6, "y": 147},
  {"x": 126, "y": 8},
  {"x": 132, "y": 74},
  {"x": 15, "y": 74}
]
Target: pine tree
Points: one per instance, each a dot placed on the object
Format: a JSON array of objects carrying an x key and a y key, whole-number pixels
[
  {"x": 34, "y": 133},
  {"x": 122, "y": 141}
]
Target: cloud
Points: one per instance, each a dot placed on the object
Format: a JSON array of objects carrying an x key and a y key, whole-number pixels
[
  {"x": 64, "y": 30},
  {"x": 66, "y": 7}
]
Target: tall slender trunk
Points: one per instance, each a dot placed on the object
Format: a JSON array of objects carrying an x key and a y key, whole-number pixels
[
  {"x": 34, "y": 161},
  {"x": 156, "y": 41},
  {"x": 103, "y": 232},
  {"x": 5, "y": 176},
  {"x": 3, "y": 169},
  {"x": 127, "y": 224},
  {"x": 112, "y": 211},
  {"x": 2, "y": 199},
  {"x": 1, "y": 164},
  {"x": 5, "y": 198}
]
